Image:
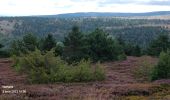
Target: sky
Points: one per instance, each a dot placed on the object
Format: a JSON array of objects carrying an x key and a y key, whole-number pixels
[{"x": 51, "y": 7}]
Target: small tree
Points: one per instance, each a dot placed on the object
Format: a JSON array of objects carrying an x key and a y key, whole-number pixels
[
  {"x": 162, "y": 70},
  {"x": 49, "y": 43},
  {"x": 102, "y": 47},
  {"x": 59, "y": 49},
  {"x": 17, "y": 47},
  {"x": 30, "y": 42},
  {"x": 74, "y": 45},
  {"x": 23, "y": 46}
]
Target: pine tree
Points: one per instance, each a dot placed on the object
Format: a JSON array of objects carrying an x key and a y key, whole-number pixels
[
  {"x": 102, "y": 47},
  {"x": 49, "y": 43},
  {"x": 74, "y": 45},
  {"x": 30, "y": 42},
  {"x": 162, "y": 70}
]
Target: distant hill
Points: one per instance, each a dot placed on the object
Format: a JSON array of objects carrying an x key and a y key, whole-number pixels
[
  {"x": 137, "y": 28},
  {"x": 106, "y": 14}
]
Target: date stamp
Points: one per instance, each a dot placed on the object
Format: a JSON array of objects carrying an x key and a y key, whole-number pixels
[{"x": 11, "y": 90}]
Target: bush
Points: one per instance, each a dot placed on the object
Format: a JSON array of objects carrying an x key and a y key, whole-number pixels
[
  {"x": 4, "y": 54},
  {"x": 122, "y": 57},
  {"x": 162, "y": 69},
  {"x": 99, "y": 72},
  {"x": 143, "y": 72},
  {"x": 24, "y": 45},
  {"x": 47, "y": 68}
]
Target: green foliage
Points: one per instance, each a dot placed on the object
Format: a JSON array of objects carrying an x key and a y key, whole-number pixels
[
  {"x": 59, "y": 49},
  {"x": 122, "y": 57},
  {"x": 129, "y": 49},
  {"x": 30, "y": 42},
  {"x": 144, "y": 71},
  {"x": 99, "y": 73},
  {"x": 141, "y": 36},
  {"x": 136, "y": 51},
  {"x": 74, "y": 45},
  {"x": 98, "y": 46},
  {"x": 162, "y": 69},
  {"x": 15, "y": 64},
  {"x": 48, "y": 43},
  {"x": 48, "y": 69},
  {"x": 132, "y": 50},
  {"x": 24, "y": 45},
  {"x": 101, "y": 47},
  {"x": 3, "y": 53},
  {"x": 17, "y": 47},
  {"x": 162, "y": 43}
]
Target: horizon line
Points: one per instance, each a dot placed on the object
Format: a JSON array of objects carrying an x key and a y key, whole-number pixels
[{"x": 81, "y": 12}]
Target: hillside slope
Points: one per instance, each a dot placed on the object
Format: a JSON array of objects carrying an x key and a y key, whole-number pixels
[
  {"x": 129, "y": 28},
  {"x": 120, "y": 84}
]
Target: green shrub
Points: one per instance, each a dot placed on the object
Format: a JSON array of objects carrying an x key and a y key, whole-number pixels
[
  {"x": 46, "y": 68},
  {"x": 99, "y": 72},
  {"x": 162, "y": 69},
  {"x": 122, "y": 57},
  {"x": 83, "y": 71},
  {"x": 4, "y": 54},
  {"x": 143, "y": 72}
]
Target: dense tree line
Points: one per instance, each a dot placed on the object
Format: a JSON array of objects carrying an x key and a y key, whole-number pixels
[
  {"x": 162, "y": 43},
  {"x": 87, "y": 43},
  {"x": 141, "y": 36},
  {"x": 132, "y": 30},
  {"x": 97, "y": 46}
]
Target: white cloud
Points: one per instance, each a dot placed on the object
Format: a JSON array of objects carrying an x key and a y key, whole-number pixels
[{"x": 46, "y": 7}]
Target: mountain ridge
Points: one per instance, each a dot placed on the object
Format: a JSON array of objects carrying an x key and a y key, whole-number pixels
[{"x": 105, "y": 14}]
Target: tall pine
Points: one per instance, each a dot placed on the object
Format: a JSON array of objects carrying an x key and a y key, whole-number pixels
[
  {"x": 49, "y": 43},
  {"x": 74, "y": 45}
]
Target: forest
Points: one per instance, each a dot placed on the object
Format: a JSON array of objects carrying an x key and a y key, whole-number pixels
[{"x": 148, "y": 29}]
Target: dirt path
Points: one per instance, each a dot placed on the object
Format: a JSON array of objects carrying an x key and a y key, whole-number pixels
[{"x": 119, "y": 81}]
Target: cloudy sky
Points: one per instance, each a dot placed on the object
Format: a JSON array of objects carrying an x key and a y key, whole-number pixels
[{"x": 48, "y": 7}]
